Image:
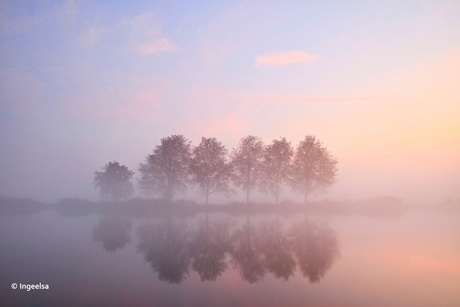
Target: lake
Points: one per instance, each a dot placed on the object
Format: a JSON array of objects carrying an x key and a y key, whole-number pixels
[{"x": 221, "y": 259}]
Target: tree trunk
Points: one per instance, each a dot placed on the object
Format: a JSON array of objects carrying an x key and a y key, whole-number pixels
[
  {"x": 247, "y": 196},
  {"x": 306, "y": 194},
  {"x": 207, "y": 195}
]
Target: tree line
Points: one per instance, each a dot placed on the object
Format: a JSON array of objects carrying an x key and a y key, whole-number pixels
[{"x": 176, "y": 164}]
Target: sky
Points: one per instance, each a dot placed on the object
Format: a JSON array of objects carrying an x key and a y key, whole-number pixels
[{"x": 83, "y": 83}]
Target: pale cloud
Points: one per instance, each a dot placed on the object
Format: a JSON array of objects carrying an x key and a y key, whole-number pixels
[
  {"x": 286, "y": 58},
  {"x": 67, "y": 11},
  {"x": 157, "y": 46},
  {"x": 96, "y": 32},
  {"x": 145, "y": 35},
  {"x": 92, "y": 35}
]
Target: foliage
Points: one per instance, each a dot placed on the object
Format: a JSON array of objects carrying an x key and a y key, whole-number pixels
[
  {"x": 166, "y": 171},
  {"x": 114, "y": 182},
  {"x": 313, "y": 167},
  {"x": 209, "y": 168},
  {"x": 275, "y": 166},
  {"x": 246, "y": 163}
]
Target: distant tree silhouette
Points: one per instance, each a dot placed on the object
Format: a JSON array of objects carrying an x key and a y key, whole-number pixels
[
  {"x": 114, "y": 182},
  {"x": 209, "y": 168},
  {"x": 246, "y": 161},
  {"x": 275, "y": 166},
  {"x": 313, "y": 167},
  {"x": 166, "y": 171}
]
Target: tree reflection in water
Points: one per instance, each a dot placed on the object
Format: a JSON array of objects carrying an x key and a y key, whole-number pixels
[
  {"x": 315, "y": 247},
  {"x": 246, "y": 257},
  {"x": 254, "y": 250},
  {"x": 164, "y": 245},
  {"x": 209, "y": 247},
  {"x": 112, "y": 232},
  {"x": 276, "y": 249}
]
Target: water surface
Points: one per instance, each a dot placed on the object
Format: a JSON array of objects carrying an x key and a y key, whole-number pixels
[{"x": 217, "y": 259}]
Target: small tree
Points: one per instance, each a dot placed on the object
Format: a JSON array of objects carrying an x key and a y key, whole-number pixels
[
  {"x": 209, "y": 168},
  {"x": 166, "y": 170},
  {"x": 246, "y": 163},
  {"x": 275, "y": 166},
  {"x": 313, "y": 168},
  {"x": 114, "y": 182}
]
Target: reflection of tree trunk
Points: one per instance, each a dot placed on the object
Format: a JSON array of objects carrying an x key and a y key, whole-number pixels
[
  {"x": 207, "y": 228},
  {"x": 275, "y": 248},
  {"x": 164, "y": 245},
  {"x": 247, "y": 257},
  {"x": 278, "y": 230},
  {"x": 112, "y": 232},
  {"x": 207, "y": 233},
  {"x": 249, "y": 231},
  {"x": 277, "y": 191},
  {"x": 315, "y": 247},
  {"x": 208, "y": 249}
]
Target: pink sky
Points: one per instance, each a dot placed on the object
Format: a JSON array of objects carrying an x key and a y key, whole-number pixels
[{"x": 378, "y": 85}]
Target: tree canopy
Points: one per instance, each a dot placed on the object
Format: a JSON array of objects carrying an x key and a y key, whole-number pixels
[
  {"x": 166, "y": 171},
  {"x": 313, "y": 168},
  {"x": 114, "y": 182},
  {"x": 175, "y": 164},
  {"x": 246, "y": 162},
  {"x": 276, "y": 166},
  {"x": 209, "y": 168}
]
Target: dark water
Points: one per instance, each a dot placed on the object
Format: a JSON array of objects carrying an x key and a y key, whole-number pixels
[{"x": 222, "y": 260}]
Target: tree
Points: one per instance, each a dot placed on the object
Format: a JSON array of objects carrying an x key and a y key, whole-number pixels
[
  {"x": 246, "y": 163},
  {"x": 313, "y": 167},
  {"x": 114, "y": 182},
  {"x": 166, "y": 170},
  {"x": 275, "y": 166},
  {"x": 209, "y": 168}
]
